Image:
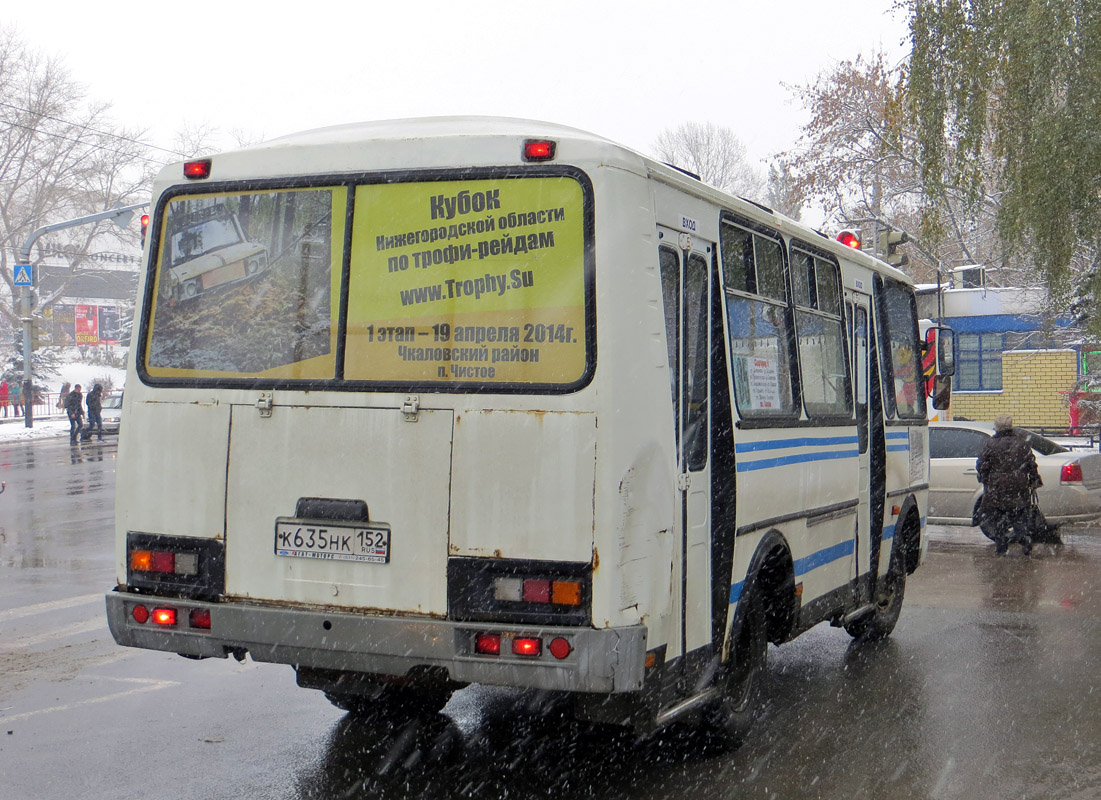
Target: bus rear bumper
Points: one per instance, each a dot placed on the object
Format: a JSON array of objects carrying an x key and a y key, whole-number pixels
[{"x": 607, "y": 660}]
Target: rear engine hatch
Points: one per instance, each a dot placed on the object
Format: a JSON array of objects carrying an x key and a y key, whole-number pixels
[{"x": 400, "y": 470}]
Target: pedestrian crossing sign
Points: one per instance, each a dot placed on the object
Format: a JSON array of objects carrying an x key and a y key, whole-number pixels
[{"x": 24, "y": 275}]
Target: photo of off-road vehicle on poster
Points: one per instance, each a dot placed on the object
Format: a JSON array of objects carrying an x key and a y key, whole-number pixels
[{"x": 244, "y": 284}]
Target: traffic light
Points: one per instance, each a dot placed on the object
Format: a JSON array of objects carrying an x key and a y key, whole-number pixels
[
  {"x": 849, "y": 238},
  {"x": 888, "y": 247},
  {"x": 144, "y": 228}
]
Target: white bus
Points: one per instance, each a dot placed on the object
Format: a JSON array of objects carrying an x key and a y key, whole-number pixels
[{"x": 511, "y": 404}]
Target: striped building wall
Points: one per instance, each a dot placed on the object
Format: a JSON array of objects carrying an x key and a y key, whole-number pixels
[{"x": 1034, "y": 390}]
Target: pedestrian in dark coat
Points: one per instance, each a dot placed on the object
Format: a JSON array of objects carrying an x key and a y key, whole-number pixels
[
  {"x": 1007, "y": 470},
  {"x": 74, "y": 407},
  {"x": 94, "y": 401}
]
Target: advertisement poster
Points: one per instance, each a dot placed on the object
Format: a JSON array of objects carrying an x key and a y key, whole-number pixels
[
  {"x": 468, "y": 281},
  {"x": 86, "y": 322}
]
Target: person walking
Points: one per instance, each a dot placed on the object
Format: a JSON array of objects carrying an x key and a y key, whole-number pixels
[
  {"x": 1007, "y": 470},
  {"x": 17, "y": 398},
  {"x": 74, "y": 407},
  {"x": 94, "y": 401},
  {"x": 4, "y": 396}
]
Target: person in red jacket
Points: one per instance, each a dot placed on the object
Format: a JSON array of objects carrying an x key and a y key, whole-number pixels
[
  {"x": 4, "y": 397},
  {"x": 1007, "y": 470}
]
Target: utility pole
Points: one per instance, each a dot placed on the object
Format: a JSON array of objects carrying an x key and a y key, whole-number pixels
[{"x": 24, "y": 279}]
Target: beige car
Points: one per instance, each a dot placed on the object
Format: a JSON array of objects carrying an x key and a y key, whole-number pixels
[{"x": 1072, "y": 479}]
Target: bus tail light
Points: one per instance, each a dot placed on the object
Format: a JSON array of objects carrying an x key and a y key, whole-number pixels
[
  {"x": 164, "y": 562},
  {"x": 538, "y": 590},
  {"x": 530, "y": 646},
  {"x": 1071, "y": 473},
  {"x": 488, "y": 644},
  {"x": 164, "y": 616},
  {"x": 521, "y": 644},
  {"x": 181, "y": 565},
  {"x": 520, "y": 591}
]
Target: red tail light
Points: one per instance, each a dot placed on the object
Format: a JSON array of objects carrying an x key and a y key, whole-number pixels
[
  {"x": 488, "y": 644},
  {"x": 527, "y": 646},
  {"x": 164, "y": 616},
  {"x": 1071, "y": 473}
]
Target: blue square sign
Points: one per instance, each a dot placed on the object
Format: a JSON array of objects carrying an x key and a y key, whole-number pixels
[{"x": 24, "y": 274}]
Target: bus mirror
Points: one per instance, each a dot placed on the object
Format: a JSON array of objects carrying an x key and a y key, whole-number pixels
[
  {"x": 946, "y": 352},
  {"x": 942, "y": 392}
]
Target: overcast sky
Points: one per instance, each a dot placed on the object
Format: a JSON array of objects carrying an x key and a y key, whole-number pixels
[{"x": 625, "y": 70}]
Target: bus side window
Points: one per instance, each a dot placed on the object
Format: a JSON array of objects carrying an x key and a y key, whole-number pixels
[
  {"x": 669, "y": 265},
  {"x": 822, "y": 361}
]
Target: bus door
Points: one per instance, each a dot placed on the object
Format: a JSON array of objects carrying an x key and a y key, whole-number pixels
[
  {"x": 858, "y": 312},
  {"x": 685, "y": 273},
  {"x": 871, "y": 433}
]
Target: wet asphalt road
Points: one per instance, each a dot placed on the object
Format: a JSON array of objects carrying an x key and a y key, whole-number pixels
[{"x": 990, "y": 688}]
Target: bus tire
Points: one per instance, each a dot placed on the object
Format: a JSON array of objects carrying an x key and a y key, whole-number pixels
[
  {"x": 392, "y": 702},
  {"x": 888, "y": 604},
  {"x": 731, "y": 718}
]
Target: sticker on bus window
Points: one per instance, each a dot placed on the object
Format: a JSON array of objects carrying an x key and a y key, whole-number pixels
[
  {"x": 479, "y": 281},
  {"x": 245, "y": 285}
]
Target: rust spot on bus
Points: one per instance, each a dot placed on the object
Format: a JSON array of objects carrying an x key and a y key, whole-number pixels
[{"x": 596, "y": 559}]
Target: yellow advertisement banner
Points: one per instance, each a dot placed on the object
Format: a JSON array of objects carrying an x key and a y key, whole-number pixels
[{"x": 468, "y": 281}]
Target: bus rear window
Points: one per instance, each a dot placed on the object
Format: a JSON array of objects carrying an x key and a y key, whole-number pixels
[
  {"x": 468, "y": 282},
  {"x": 245, "y": 285}
]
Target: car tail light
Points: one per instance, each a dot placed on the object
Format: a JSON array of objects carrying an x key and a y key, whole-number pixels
[{"x": 1071, "y": 473}]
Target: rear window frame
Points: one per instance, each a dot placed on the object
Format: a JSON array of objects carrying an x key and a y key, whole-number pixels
[{"x": 350, "y": 180}]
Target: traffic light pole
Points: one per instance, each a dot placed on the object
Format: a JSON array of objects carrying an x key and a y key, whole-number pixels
[{"x": 23, "y": 259}]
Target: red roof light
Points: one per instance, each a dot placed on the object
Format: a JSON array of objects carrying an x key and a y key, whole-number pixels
[
  {"x": 197, "y": 169},
  {"x": 538, "y": 150}
]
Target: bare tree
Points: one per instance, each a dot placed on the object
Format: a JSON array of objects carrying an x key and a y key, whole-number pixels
[
  {"x": 782, "y": 191},
  {"x": 714, "y": 153},
  {"x": 857, "y": 158},
  {"x": 60, "y": 157}
]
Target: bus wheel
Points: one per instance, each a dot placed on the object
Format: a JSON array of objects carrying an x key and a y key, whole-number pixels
[
  {"x": 731, "y": 718},
  {"x": 888, "y": 604},
  {"x": 392, "y": 702}
]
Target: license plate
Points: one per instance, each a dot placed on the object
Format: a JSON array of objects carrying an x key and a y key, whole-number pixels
[{"x": 332, "y": 541}]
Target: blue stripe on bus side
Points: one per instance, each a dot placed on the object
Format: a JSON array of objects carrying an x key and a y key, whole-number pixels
[
  {"x": 904, "y": 435},
  {"x": 781, "y": 444},
  {"x": 767, "y": 463},
  {"x": 805, "y": 565}
]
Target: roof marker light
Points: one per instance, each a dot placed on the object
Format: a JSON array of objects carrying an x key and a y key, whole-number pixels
[
  {"x": 538, "y": 150},
  {"x": 193, "y": 170}
]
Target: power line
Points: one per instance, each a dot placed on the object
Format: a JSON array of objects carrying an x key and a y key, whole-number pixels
[
  {"x": 89, "y": 144},
  {"x": 88, "y": 128}
]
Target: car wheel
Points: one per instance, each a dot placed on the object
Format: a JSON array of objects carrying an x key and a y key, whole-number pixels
[{"x": 731, "y": 717}]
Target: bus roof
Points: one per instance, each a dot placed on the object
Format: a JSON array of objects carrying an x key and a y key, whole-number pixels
[{"x": 397, "y": 144}]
